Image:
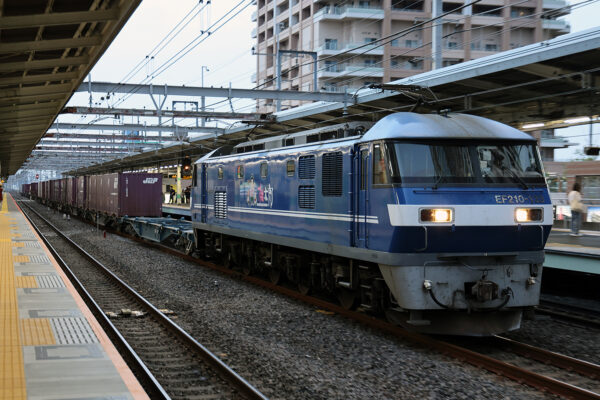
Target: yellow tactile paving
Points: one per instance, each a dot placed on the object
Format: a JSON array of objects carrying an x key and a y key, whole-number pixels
[
  {"x": 26, "y": 282},
  {"x": 37, "y": 332},
  {"x": 12, "y": 372},
  {"x": 21, "y": 258},
  {"x": 18, "y": 244}
]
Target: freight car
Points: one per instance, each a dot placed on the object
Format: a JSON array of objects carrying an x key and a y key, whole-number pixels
[{"x": 437, "y": 221}]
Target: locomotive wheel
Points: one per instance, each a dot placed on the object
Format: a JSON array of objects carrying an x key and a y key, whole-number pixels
[
  {"x": 274, "y": 275},
  {"x": 347, "y": 298},
  {"x": 228, "y": 260},
  {"x": 304, "y": 288},
  {"x": 246, "y": 267}
]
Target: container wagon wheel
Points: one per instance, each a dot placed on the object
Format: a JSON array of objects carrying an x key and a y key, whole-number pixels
[
  {"x": 274, "y": 275},
  {"x": 347, "y": 298}
]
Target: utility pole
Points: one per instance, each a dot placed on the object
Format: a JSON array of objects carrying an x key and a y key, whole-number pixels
[
  {"x": 436, "y": 33},
  {"x": 203, "y": 104}
]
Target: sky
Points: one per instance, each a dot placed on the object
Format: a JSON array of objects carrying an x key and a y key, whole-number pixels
[{"x": 226, "y": 52}]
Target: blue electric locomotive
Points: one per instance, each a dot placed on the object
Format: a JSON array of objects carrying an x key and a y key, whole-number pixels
[{"x": 438, "y": 221}]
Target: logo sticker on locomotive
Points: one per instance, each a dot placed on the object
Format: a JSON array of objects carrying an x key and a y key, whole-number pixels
[
  {"x": 150, "y": 181},
  {"x": 256, "y": 195}
]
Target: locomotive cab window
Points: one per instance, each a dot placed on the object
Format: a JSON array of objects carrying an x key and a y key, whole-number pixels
[
  {"x": 435, "y": 163},
  {"x": 382, "y": 169},
  {"x": 291, "y": 168},
  {"x": 264, "y": 170},
  {"x": 220, "y": 173},
  {"x": 240, "y": 172}
]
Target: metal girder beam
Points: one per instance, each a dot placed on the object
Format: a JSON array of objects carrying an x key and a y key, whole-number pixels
[
  {"x": 43, "y": 64},
  {"x": 36, "y": 90},
  {"x": 32, "y": 99},
  {"x": 81, "y": 149},
  {"x": 29, "y": 107},
  {"x": 41, "y": 78},
  {"x": 190, "y": 91},
  {"x": 167, "y": 113},
  {"x": 137, "y": 127},
  {"x": 53, "y": 44},
  {"x": 45, "y": 142},
  {"x": 92, "y": 136},
  {"x": 65, "y": 18}
]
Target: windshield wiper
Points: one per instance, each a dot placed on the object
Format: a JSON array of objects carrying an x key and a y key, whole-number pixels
[
  {"x": 437, "y": 182},
  {"x": 516, "y": 176}
]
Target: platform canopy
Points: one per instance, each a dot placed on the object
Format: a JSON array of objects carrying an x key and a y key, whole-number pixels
[
  {"x": 47, "y": 47},
  {"x": 540, "y": 83}
]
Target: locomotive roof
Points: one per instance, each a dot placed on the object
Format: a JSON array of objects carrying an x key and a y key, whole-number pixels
[{"x": 407, "y": 125}]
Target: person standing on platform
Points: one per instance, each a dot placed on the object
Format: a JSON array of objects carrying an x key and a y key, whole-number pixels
[
  {"x": 577, "y": 208},
  {"x": 1, "y": 188},
  {"x": 187, "y": 195},
  {"x": 172, "y": 192}
]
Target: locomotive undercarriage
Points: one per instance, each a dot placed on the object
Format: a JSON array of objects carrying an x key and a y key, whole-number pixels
[{"x": 354, "y": 283}]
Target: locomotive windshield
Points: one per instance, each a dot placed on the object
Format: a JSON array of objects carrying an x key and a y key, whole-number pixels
[{"x": 457, "y": 163}]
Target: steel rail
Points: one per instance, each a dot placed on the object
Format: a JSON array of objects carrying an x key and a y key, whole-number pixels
[
  {"x": 502, "y": 368},
  {"x": 581, "y": 367},
  {"x": 151, "y": 384},
  {"x": 498, "y": 367},
  {"x": 569, "y": 313},
  {"x": 223, "y": 369}
]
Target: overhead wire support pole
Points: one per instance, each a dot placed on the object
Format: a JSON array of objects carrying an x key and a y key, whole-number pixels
[{"x": 436, "y": 40}]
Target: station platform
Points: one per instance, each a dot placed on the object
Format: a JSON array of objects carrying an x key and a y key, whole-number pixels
[
  {"x": 573, "y": 253},
  {"x": 51, "y": 346},
  {"x": 177, "y": 210}
]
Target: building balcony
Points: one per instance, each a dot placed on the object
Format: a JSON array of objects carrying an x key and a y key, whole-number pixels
[
  {"x": 254, "y": 16},
  {"x": 556, "y": 24},
  {"x": 335, "y": 71},
  {"x": 340, "y": 13},
  {"x": 371, "y": 49},
  {"x": 253, "y": 33},
  {"x": 554, "y": 4},
  {"x": 253, "y": 78}
]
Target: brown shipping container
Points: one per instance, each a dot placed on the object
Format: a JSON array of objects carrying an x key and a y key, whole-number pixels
[
  {"x": 54, "y": 194},
  {"x": 134, "y": 195},
  {"x": 71, "y": 195},
  {"x": 33, "y": 190},
  {"x": 25, "y": 189},
  {"x": 81, "y": 195}
]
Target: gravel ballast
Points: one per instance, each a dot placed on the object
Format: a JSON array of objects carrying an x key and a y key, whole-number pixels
[{"x": 290, "y": 350}]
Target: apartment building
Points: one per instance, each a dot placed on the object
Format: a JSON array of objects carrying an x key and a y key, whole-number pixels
[{"x": 340, "y": 32}]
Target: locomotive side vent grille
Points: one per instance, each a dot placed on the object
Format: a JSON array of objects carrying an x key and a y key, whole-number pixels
[
  {"x": 220, "y": 204},
  {"x": 332, "y": 166},
  {"x": 306, "y": 167},
  {"x": 306, "y": 196}
]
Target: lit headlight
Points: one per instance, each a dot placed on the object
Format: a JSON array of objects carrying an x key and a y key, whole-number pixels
[
  {"x": 436, "y": 215},
  {"x": 528, "y": 214}
]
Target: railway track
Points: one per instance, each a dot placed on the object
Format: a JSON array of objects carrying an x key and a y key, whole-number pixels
[
  {"x": 525, "y": 364},
  {"x": 168, "y": 361},
  {"x": 569, "y": 312}
]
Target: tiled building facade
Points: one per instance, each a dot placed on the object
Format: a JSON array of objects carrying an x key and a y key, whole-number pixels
[{"x": 336, "y": 29}]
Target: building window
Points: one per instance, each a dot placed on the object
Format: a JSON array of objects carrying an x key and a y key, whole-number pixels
[
  {"x": 240, "y": 172},
  {"x": 290, "y": 168},
  {"x": 412, "y": 44},
  {"x": 491, "y": 47},
  {"x": 364, "y": 4},
  {"x": 395, "y": 43},
  {"x": 370, "y": 62},
  {"x": 264, "y": 170},
  {"x": 220, "y": 173},
  {"x": 370, "y": 40},
  {"x": 331, "y": 66},
  {"x": 331, "y": 44}
]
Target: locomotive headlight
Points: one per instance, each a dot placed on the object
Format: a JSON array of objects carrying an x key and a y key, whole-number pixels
[
  {"x": 436, "y": 215},
  {"x": 528, "y": 214}
]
